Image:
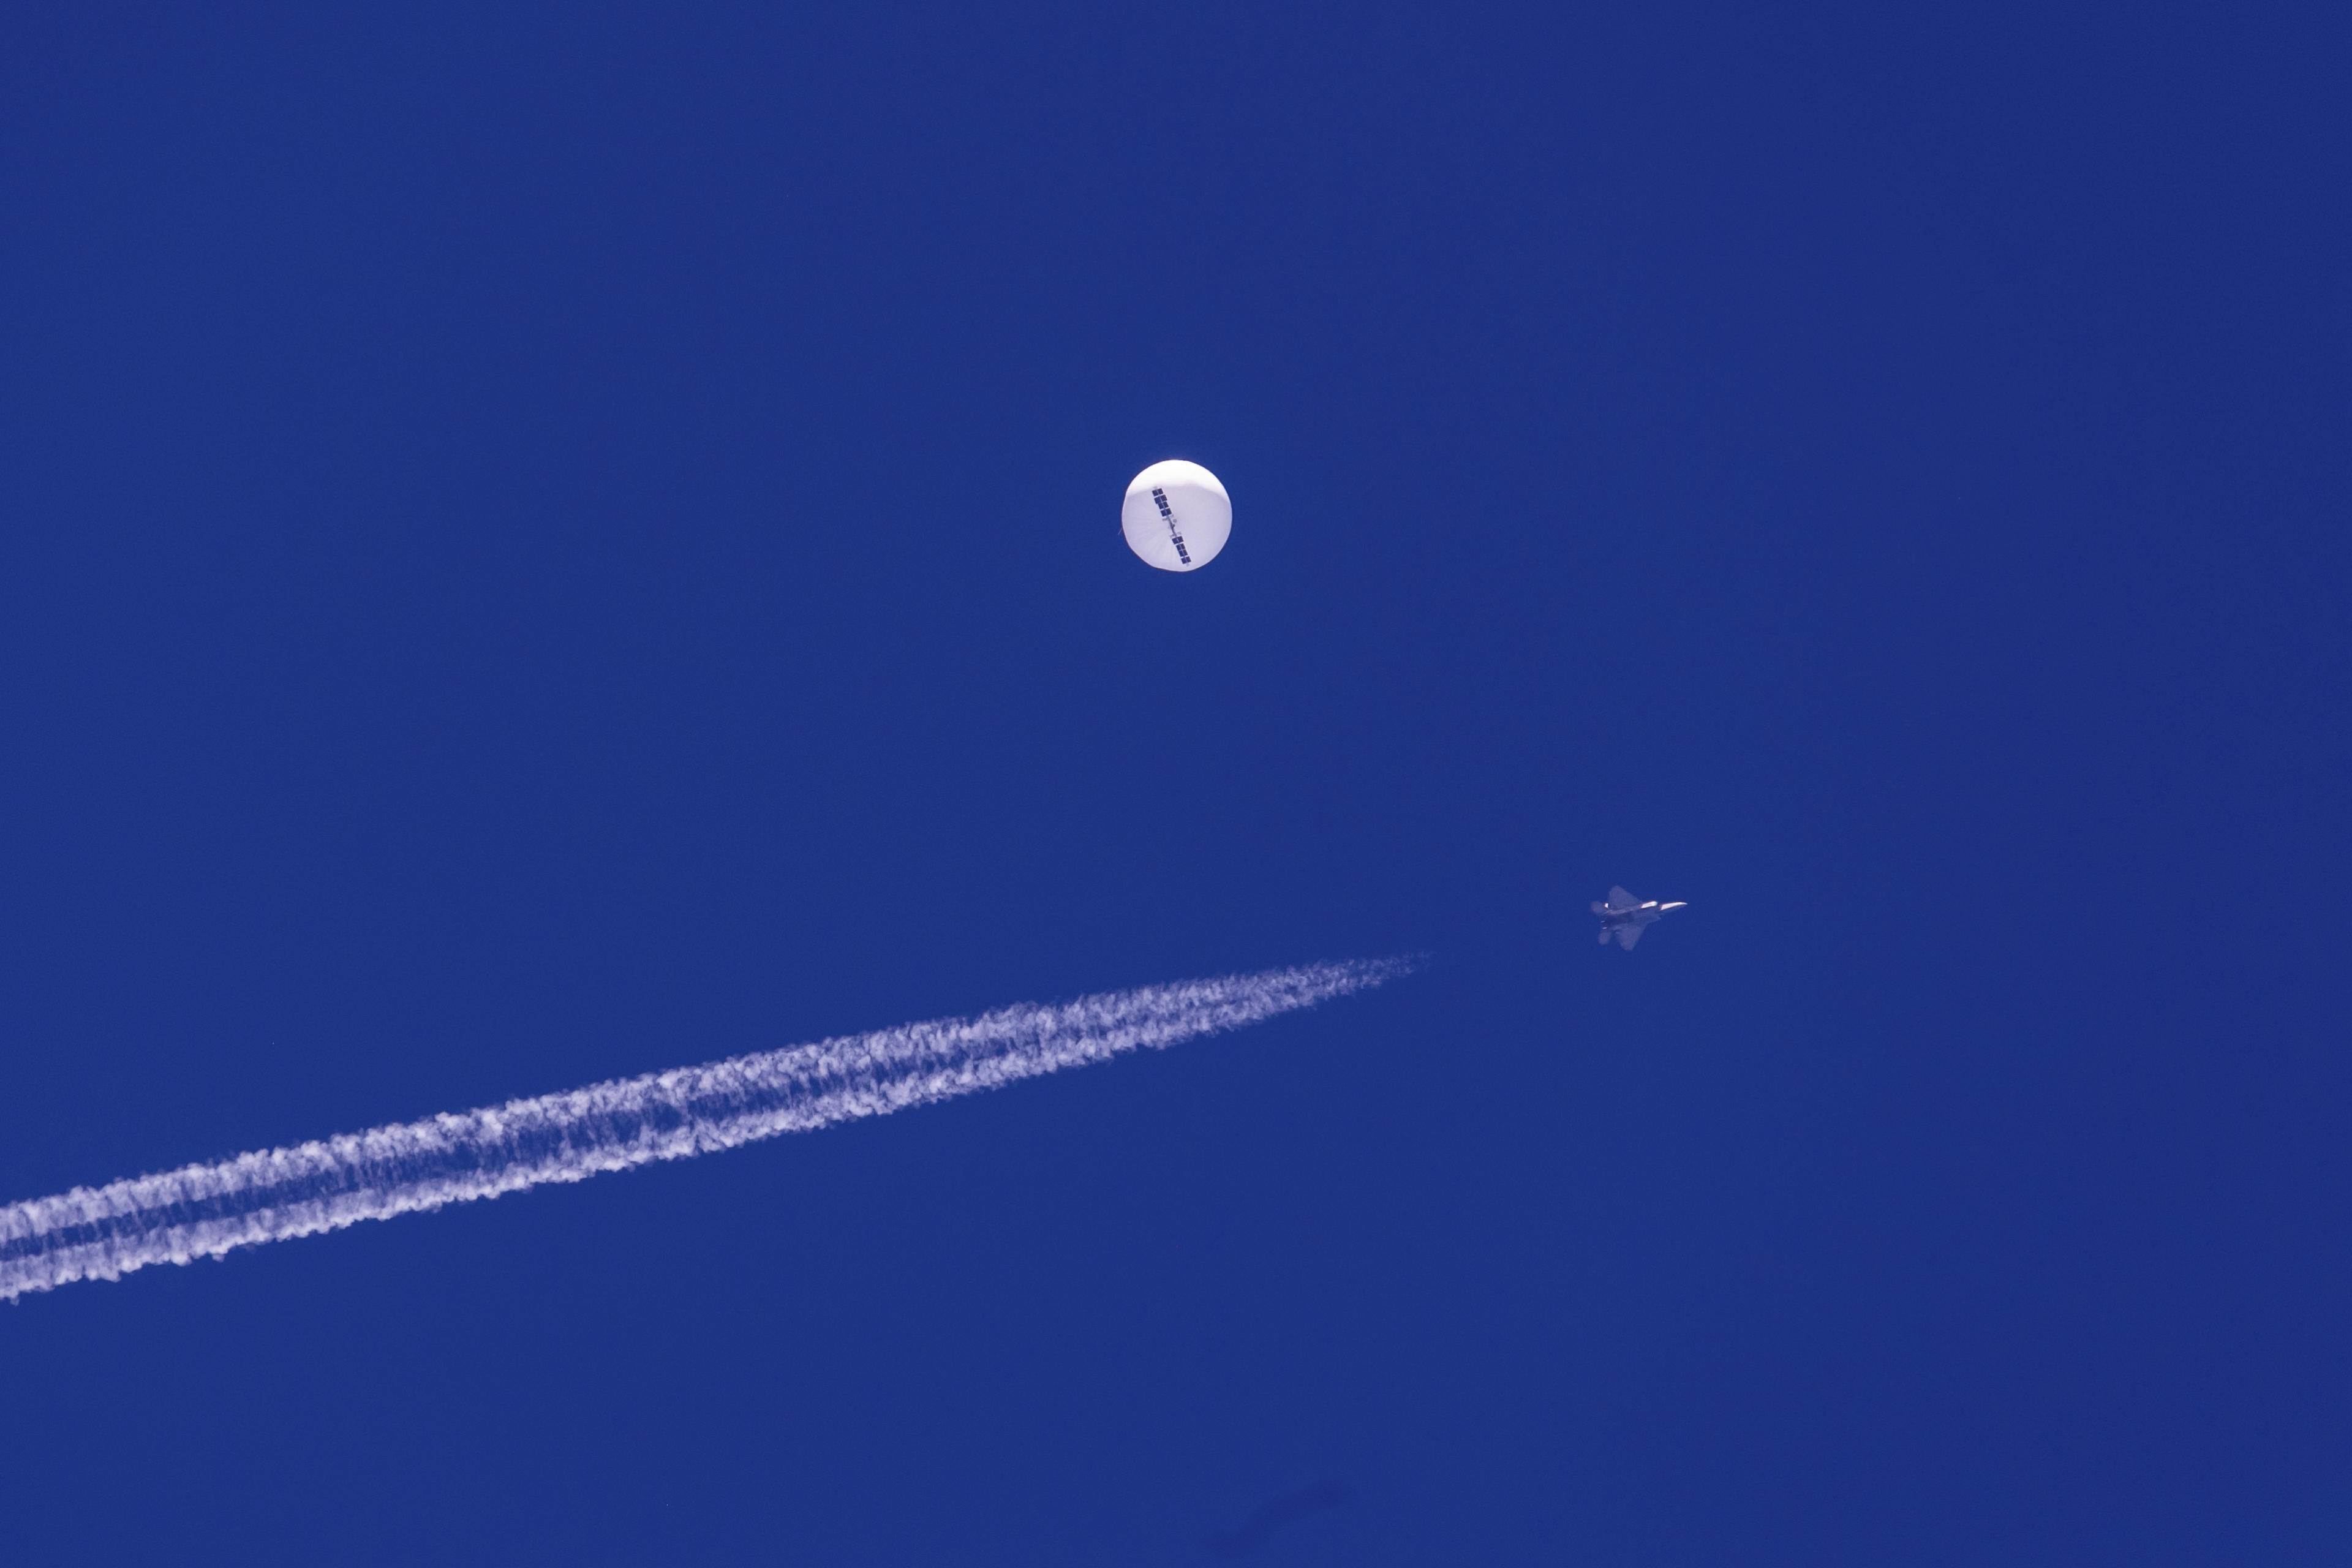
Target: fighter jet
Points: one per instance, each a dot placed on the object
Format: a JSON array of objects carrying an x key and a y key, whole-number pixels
[{"x": 1625, "y": 917}]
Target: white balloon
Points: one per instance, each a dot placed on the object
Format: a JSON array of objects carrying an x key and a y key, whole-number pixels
[{"x": 1177, "y": 516}]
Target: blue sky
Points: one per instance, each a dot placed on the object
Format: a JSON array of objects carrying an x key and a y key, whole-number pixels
[{"x": 541, "y": 543}]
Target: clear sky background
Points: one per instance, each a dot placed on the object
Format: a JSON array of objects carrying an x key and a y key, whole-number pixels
[{"x": 546, "y": 541}]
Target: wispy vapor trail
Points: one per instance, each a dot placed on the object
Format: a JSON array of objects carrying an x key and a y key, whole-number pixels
[{"x": 204, "y": 1211}]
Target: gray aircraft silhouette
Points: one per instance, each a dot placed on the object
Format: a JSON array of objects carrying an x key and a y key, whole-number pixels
[{"x": 1625, "y": 917}]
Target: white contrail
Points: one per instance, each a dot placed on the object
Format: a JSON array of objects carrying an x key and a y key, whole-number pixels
[{"x": 203, "y": 1210}]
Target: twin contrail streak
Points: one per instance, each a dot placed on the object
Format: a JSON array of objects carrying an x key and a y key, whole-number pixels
[{"x": 204, "y": 1211}]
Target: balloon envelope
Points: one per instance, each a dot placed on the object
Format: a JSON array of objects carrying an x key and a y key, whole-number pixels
[{"x": 1177, "y": 516}]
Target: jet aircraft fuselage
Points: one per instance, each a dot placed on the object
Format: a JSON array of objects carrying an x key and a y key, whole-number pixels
[{"x": 1625, "y": 917}]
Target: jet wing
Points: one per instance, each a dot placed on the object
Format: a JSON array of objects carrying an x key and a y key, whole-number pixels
[
  {"x": 1621, "y": 901},
  {"x": 1626, "y": 936}
]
